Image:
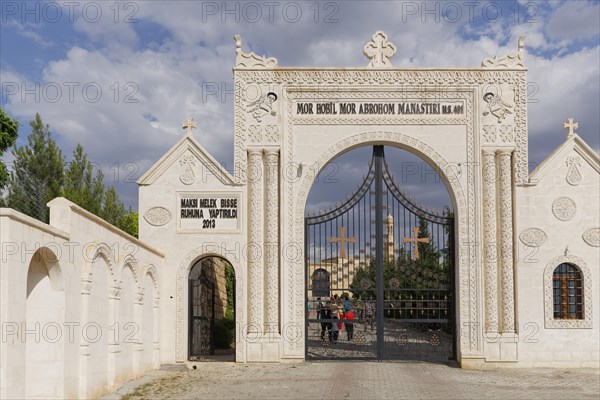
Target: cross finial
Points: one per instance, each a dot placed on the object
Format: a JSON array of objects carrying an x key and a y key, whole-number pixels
[
  {"x": 571, "y": 126},
  {"x": 379, "y": 50},
  {"x": 189, "y": 124}
]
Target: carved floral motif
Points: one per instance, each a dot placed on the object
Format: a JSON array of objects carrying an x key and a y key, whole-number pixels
[
  {"x": 516, "y": 60},
  {"x": 564, "y": 208},
  {"x": 592, "y": 237},
  {"x": 533, "y": 237},
  {"x": 157, "y": 216}
]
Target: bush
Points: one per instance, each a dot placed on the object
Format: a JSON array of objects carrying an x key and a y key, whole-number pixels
[{"x": 224, "y": 333}]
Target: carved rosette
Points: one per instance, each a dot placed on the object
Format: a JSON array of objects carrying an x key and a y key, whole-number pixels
[
  {"x": 592, "y": 237},
  {"x": 506, "y": 242},
  {"x": 533, "y": 237},
  {"x": 564, "y": 208},
  {"x": 490, "y": 240},
  {"x": 255, "y": 241},
  {"x": 157, "y": 216},
  {"x": 272, "y": 240},
  {"x": 574, "y": 176}
]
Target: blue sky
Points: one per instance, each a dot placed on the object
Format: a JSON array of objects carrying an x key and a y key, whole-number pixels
[{"x": 120, "y": 77}]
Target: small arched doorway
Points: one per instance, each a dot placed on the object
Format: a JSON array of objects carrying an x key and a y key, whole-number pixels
[
  {"x": 211, "y": 305},
  {"x": 45, "y": 313}
]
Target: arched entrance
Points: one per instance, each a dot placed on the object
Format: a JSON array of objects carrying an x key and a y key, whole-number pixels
[
  {"x": 211, "y": 305},
  {"x": 390, "y": 264}
]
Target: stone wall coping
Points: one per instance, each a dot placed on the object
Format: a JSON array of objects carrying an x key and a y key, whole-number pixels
[
  {"x": 34, "y": 223},
  {"x": 61, "y": 201}
]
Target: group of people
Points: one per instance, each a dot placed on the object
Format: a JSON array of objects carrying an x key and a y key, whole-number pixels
[{"x": 342, "y": 309}]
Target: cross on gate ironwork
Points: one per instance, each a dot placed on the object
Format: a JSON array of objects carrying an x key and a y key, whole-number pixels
[
  {"x": 343, "y": 240},
  {"x": 189, "y": 124},
  {"x": 571, "y": 126},
  {"x": 416, "y": 240}
]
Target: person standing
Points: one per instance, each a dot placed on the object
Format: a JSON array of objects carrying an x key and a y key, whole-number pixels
[{"x": 349, "y": 324}]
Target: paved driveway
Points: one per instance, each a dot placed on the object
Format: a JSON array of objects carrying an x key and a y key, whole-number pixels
[{"x": 362, "y": 380}]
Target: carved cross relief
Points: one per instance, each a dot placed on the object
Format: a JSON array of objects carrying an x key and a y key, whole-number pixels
[{"x": 379, "y": 50}]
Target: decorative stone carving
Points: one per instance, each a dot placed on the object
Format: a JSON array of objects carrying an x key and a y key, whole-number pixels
[
  {"x": 506, "y": 133},
  {"x": 496, "y": 106},
  {"x": 550, "y": 322},
  {"x": 379, "y": 50},
  {"x": 263, "y": 107},
  {"x": 489, "y": 133},
  {"x": 251, "y": 60},
  {"x": 385, "y": 79},
  {"x": 254, "y": 134},
  {"x": 157, "y": 216},
  {"x": 506, "y": 242},
  {"x": 271, "y": 258},
  {"x": 533, "y": 237},
  {"x": 187, "y": 162},
  {"x": 255, "y": 242},
  {"x": 490, "y": 251},
  {"x": 592, "y": 237},
  {"x": 271, "y": 134},
  {"x": 570, "y": 126},
  {"x": 516, "y": 60},
  {"x": 573, "y": 173},
  {"x": 564, "y": 208}
]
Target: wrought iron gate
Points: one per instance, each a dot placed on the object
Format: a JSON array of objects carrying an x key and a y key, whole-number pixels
[
  {"x": 396, "y": 271},
  {"x": 201, "y": 312}
]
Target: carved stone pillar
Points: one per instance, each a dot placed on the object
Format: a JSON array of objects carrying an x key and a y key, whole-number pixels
[
  {"x": 272, "y": 240},
  {"x": 255, "y": 242},
  {"x": 506, "y": 241},
  {"x": 490, "y": 253}
]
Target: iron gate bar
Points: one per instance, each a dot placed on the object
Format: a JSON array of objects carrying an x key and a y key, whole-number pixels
[{"x": 378, "y": 155}]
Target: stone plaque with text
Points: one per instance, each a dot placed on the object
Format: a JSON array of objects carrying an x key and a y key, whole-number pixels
[{"x": 208, "y": 212}]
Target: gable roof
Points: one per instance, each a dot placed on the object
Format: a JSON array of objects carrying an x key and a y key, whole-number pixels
[
  {"x": 573, "y": 143},
  {"x": 187, "y": 142}
]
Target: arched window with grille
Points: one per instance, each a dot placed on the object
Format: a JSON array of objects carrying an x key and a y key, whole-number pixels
[
  {"x": 567, "y": 292},
  {"x": 320, "y": 283}
]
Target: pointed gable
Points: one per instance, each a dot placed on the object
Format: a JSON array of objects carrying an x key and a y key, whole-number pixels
[
  {"x": 187, "y": 144},
  {"x": 573, "y": 145}
]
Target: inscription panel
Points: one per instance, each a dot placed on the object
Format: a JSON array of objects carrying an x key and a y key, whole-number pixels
[{"x": 208, "y": 212}]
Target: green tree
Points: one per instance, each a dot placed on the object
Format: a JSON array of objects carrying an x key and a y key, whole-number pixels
[
  {"x": 37, "y": 175},
  {"x": 129, "y": 223},
  {"x": 9, "y": 129},
  {"x": 81, "y": 186},
  {"x": 114, "y": 212}
]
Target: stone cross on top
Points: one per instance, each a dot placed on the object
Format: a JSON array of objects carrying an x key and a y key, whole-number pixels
[
  {"x": 189, "y": 124},
  {"x": 570, "y": 126},
  {"x": 379, "y": 50}
]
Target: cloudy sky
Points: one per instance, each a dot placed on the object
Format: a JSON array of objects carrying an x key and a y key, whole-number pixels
[{"x": 120, "y": 77}]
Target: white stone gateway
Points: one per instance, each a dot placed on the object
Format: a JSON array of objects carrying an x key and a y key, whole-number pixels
[{"x": 526, "y": 244}]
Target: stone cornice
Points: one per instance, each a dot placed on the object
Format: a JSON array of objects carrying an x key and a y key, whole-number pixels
[{"x": 34, "y": 223}]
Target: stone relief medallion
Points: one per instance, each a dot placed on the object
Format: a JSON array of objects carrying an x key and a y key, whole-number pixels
[
  {"x": 533, "y": 237},
  {"x": 187, "y": 176},
  {"x": 157, "y": 216},
  {"x": 592, "y": 237},
  {"x": 573, "y": 173},
  {"x": 564, "y": 208}
]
